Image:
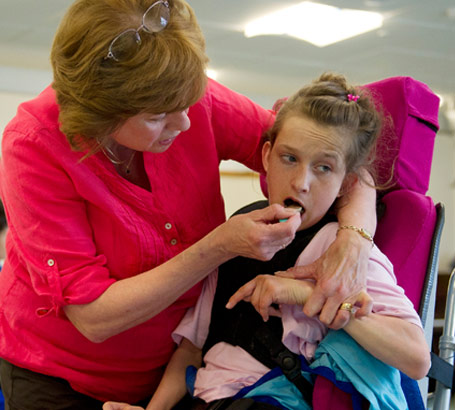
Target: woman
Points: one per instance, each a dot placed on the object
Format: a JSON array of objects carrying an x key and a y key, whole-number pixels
[{"x": 114, "y": 222}]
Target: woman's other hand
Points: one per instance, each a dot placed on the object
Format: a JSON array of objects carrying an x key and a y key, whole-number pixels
[{"x": 340, "y": 275}]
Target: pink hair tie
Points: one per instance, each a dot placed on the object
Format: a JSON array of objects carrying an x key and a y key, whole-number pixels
[{"x": 353, "y": 97}]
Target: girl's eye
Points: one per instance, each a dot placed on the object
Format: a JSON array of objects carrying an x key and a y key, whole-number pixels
[
  {"x": 288, "y": 158},
  {"x": 324, "y": 168}
]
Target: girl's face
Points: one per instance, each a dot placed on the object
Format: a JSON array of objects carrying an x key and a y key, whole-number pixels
[
  {"x": 305, "y": 166},
  {"x": 152, "y": 132}
]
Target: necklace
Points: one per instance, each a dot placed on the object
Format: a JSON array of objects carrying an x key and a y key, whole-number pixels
[
  {"x": 128, "y": 165},
  {"x": 116, "y": 161}
]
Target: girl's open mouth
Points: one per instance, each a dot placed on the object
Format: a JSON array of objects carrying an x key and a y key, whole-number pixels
[{"x": 290, "y": 203}]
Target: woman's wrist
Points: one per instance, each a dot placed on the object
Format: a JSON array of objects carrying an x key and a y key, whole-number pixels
[
  {"x": 217, "y": 242},
  {"x": 361, "y": 231},
  {"x": 353, "y": 238}
]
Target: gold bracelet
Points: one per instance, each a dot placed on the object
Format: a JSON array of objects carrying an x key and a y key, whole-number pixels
[{"x": 364, "y": 233}]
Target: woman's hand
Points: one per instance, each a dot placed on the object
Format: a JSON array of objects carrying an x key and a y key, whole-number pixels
[
  {"x": 257, "y": 234},
  {"x": 265, "y": 290},
  {"x": 112, "y": 405},
  {"x": 340, "y": 275}
]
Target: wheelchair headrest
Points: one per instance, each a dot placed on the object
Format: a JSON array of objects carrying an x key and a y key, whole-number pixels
[{"x": 406, "y": 143}]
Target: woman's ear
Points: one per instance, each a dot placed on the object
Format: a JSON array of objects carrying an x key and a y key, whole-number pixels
[{"x": 266, "y": 149}]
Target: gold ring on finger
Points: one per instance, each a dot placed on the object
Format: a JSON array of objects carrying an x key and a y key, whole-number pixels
[{"x": 347, "y": 306}]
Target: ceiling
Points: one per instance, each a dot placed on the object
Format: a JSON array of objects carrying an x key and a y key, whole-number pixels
[{"x": 417, "y": 39}]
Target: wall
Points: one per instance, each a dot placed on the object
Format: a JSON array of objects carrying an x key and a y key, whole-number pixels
[
  {"x": 8, "y": 106},
  {"x": 442, "y": 189},
  {"x": 239, "y": 190}
]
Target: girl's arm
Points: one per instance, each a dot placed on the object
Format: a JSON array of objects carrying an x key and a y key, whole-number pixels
[
  {"x": 265, "y": 290},
  {"x": 172, "y": 387},
  {"x": 394, "y": 341}
]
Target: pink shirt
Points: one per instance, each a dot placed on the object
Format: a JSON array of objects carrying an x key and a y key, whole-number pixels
[
  {"x": 77, "y": 227},
  {"x": 230, "y": 368}
]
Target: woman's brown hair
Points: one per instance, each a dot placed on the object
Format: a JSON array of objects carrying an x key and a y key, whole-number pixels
[{"x": 95, "y": 94}]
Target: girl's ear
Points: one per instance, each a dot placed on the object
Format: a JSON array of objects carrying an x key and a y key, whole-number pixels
[
  {"x": 266, "y": 149},
  {"x": 349, "y": 180}
]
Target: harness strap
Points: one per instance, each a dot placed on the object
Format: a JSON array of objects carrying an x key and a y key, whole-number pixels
[
  {"x": 288, "y": 361},
  {"x": 441, "y": 371}
]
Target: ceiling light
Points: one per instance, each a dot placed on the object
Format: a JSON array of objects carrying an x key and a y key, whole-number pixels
[{"x": 319, "y": 24}]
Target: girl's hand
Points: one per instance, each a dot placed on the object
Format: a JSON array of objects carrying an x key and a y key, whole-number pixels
[
  {"x": 340, "y": 275},
  {"x": 112, "y": 405},
  {"x": 257, "y": 234},
  {"x": 265, "y": 290}
]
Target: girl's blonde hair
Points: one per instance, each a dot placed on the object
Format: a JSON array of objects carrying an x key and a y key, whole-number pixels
[
  {"x": 96, "y": 95},
  {"x": 331, "y": 101}
]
